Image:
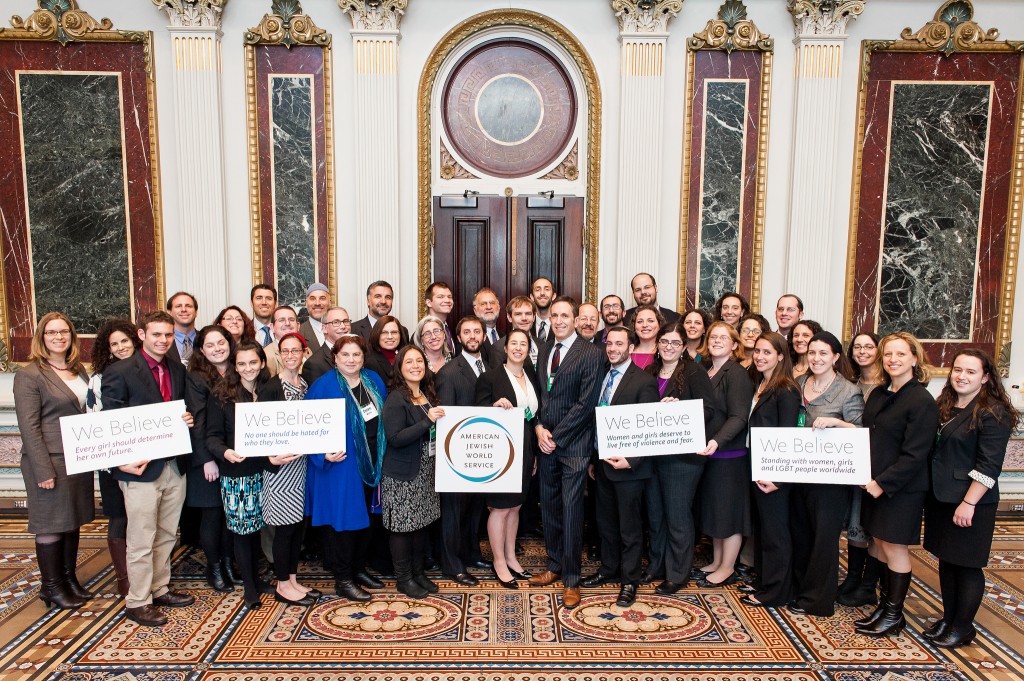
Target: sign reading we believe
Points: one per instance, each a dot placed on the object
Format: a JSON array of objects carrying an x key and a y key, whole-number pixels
[
  {"x": 297, "y": 427},
  {"x": 651, "y": 429},
  {"x": 837, "y": 456}
]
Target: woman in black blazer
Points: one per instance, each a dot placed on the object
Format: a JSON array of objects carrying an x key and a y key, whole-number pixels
[
  {"x": 512, "y": 385},
  {"x": 408, "y": 500},
  {"x": 776, "y": 405},
  {"x": 725, "y": 486},
  {"x": 903, "y": 419},
  {"x": 976, "y": 420}
]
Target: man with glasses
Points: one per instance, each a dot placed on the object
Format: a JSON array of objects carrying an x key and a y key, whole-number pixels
[
  {"x": 337, "y": 323},
  {"x": 645, "y": 292},
  {"x": 587, "y": 321},
  {"x": 612, "y": 308},
  {"x": 788, "y": 311},
  {"x": 285, "y": 321},
  {"x": 318, "y": 299}
]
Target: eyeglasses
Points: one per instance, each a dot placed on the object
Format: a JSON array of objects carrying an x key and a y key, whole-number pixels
[
  {"x": 231, "y": 319},
  {"x": 786, "y": 309},
  {"x": 293, "y": 351},
  {"x": 858, "y": 348},
  {"x": 751, "y": 332},
  {"x": 338, "y": 322},
  {"x": 611, "y": 306},
  {"x": 670, "y": 343},
  {"x": 432, "y": 334},
  {"x": 58, "y": 332}
]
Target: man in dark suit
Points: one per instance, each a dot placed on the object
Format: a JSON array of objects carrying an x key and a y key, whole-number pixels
[
  {"x": 380, "y": 297},
  {"x": 487, "y": 307},
  {"x": 439, "y": 301},
  {"x": 570, "y": 376},
  {"x": 153, "y": 490},
  {"x": 318, "y": 299},
  {"x": 620, "y": 481},
  {"x": 461, "y": 512},
  {"x": 264, "y": 299},
  {"x": 183, "y": 308},
  {"x": 612, "y": 309},
  {"x": 645, "y": 292},
  {"x": 521, "y": 312},
  {"x": 337, "y": 323},
  {"x": 542, "y": 291}
]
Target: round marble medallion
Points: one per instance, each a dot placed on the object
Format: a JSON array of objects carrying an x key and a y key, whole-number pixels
[
  {"x": 650, "y": 618},
  {"x": 386, "y": 618},
  {"x": 509, "y": 109}
]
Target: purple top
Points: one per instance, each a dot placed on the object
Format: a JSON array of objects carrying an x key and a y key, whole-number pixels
[
  {"x": 662, "y": 385},
  {"x": 642, "y": 359}
]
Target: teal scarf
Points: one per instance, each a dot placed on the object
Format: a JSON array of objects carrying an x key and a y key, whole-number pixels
[{"x": 369, "y": 466}]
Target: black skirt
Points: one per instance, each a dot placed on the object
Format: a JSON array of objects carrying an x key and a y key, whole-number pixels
[
  {"x": 964, "y": 546},
  {"x": 199, "y": 492},
  {"x": 895, "y": 519},
  {"x": 725, "y": 498},
  {"x": 111, "y": 496}
]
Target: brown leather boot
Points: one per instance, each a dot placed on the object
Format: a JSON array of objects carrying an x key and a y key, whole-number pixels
[{"x": 119, "y": 557}]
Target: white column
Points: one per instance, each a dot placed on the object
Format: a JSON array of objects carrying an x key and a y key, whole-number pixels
[
  {"x": 199, "y": 145},
  {"x": 375, "y": 39},
  {"x": 643, "y": 37},
  {"x": 820, "y": 40}
]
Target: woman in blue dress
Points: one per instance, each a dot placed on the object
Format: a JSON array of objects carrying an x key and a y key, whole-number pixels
[{"x": 337, "y": 482}]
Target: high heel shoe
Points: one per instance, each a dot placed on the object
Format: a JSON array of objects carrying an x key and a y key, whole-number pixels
[
  {"x": 524, "y": 575},
  {"x": 305, "y": 601},
  {"x": 954, "y": 638},
  {"x": 54, "y": 589},
  {"x": 510, "y": 584},
  {"x": 936, "y": 630}
]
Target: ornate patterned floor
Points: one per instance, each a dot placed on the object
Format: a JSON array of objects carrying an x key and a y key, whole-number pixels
[{"x": 487, "y": 633}]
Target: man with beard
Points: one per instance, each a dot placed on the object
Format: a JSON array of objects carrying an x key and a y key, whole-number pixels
[
  {"x": 612, "y": 309},
  {"x": 439, "y": 302},
  {"x": 587, "y": 321},
  {"x": 488, "y": 309},
  {"x": 542, "y": 291},
  {"x": 645, "y": 292},
  {"x": 318, "y": 299},
  {"x": 336, "y": 325},
  {"x": 461, "y": 512},
  {"x": 380, "y": 297}
]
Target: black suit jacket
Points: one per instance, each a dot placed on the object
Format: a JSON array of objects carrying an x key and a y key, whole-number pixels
[
  {"x": 736, "y": 391},
  {"x": 962, "y": 449},
  {"x": 456, "y": 383},
  {"x": 567, "y": 410},
  {"x": 635, "y": 387},
  {"x": 776, "y": 409},
  {"x": 690, "y": 382},
  {"x": 318, "y": 364},
  {"x": 364, "y": 326},
  {"x": 495, "y": 384},
  {"x": 669, "y": 315},
  {"x": 130, "y": 383},
  {"x": 903, "y": 427},
  {"x": 406, "y": 426}
]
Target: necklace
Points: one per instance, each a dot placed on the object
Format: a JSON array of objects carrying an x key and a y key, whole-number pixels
[
  {"x": 814, "y": 384},
  {"x": 55, "y": 367},
  {"x": 519, "y": 375}
]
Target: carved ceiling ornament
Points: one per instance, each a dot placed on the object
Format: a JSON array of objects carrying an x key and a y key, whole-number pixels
[
  {"x": 569, "y": 168},
  {"x": 287, "y": 25},
  {"x": 952, "y": 30},
  {"x": 731, "y": 31},
  {"x": 374, "y": 15},
  {"x": 824, "y": 17},
  {"x": 60, "y": 20},
  {"x": 645, "y": 16},
  {"x": 452, "y": 169},
  {"x": 193, "y": 13}
]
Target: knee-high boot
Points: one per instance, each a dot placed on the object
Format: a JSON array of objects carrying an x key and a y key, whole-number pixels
[
  {"x": 70, "y": 542},
  {"x": 54, "y": 589},
  {"x": 119, "y": 558},
  {"x": 892, "y": 621}
]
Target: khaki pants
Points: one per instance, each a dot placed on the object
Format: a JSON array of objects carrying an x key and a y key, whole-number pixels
[{"x": 154, "y": 509}]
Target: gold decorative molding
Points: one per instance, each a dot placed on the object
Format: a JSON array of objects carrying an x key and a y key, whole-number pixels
[
  {"x": 511, "y": 18},
  {"x": 953, "y": 29},
  {"x": 193, "y": 13},
  {"x": 645, "y": 16},
  {"x": 731, "y": 31},
  {"x": 451, "y": 169},
  {"x": 374, "y": 15},
  {"x": 824, "y": 17},
  {"x": 569, "y": 168},
  {"x": 63, "y": 21},
  {"x": 287, "y": 25}
]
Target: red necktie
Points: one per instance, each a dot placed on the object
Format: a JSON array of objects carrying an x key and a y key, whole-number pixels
[
  {"x": 165, "y": 383},
  {"x": 556, "y": 358}
]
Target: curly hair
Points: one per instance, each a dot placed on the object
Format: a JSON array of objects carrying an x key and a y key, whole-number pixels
[{"x": 101, "y": 355}]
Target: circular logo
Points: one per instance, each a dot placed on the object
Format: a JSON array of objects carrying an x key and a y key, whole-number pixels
[
  {"x": 509, "y": 109},
  {"x": 479, "y": 449}
]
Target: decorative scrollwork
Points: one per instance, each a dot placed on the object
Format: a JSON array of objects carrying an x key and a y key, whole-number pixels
[
  {"x": 451, "y": 169},
  {"x": 287, "y": 25},
  {"x": 824, "y": 17},
  {"x": 645, "y": 16},
  {"x": 6, "y": 365},
  {"x": 952, "y": 30},
  {"x": 568, "y": 169},
  {"x": 374, "y": 15},
  {"x": 193, "y": 12},
  {"x": 731, "y": 31},
  {"x": 60, "y": 20}
]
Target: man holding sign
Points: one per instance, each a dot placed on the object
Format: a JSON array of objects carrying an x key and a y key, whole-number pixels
[
  {"x": 620, "y": 480},
  {"x": 153, "y": 490}
]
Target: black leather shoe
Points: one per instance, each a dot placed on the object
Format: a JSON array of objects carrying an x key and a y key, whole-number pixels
[
  {"x": 146, "y": 615},
  {"x": 954, "y": 637},
  {"x": 305, "y": 601},
  {"x": 936, "y": 630},
  {"x": 745, "y": 572},
  {"x": 346, "y": 589},
  {"x": 315, "y": 593},
  {"x": 480, "y": 564},
  {"x": 752, "y": 602},
  {"x": 510, "y": 584},
  {"x": 174, "y": 599},
  {"x": 463, "y": 578},
  {"x": 747, "y": 589},
  {"x": 697, "y": 573},
  {"x": 426, "y": 583},
  {"x": 215, "y": 578},
  {"x": 705, "y": 583},
  {"x": 525, "y": 574},
  {"x": 266, "y": 587},
  {"x": 627, "y": 596},
  {"x": 367, "y": 581},
  {"x": 411, "y": 589},
  {"x": 668, "y": 588},
  {"x": 795, "y": 609},
  {"x": 597, "y": 579}
]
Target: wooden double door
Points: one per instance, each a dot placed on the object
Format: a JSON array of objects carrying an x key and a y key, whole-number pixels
[{"x": 505, "y": 243}]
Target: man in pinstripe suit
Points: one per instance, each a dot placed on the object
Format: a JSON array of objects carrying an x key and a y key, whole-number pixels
[{"x": 570, "y": 371}]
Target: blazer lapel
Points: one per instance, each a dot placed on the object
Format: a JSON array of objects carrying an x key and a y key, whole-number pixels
[
  {"x": 58, "y": 383},
  {"x": 622, "y": 389},
  {"x": 960, "y": 420}
]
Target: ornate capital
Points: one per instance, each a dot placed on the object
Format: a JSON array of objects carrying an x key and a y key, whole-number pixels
[
  {"x": 824, "y": 17},
  {"x": 374, "y": 15},
  {"x": 645, "y": 16},
  {"x": 193, "y": 13},
  {"x": 60, "y": 20},
  {"x": 287, "y": 25},
  {"x": 952, "y": 30},
  {"x": 731, "y": 31}
]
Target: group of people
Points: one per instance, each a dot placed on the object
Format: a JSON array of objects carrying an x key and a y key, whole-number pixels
[{"x": 557, "y": 362}]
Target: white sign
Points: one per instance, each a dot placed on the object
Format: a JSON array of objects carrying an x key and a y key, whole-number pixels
[
  {"x": 651, "y": 429},
  {"x": 298, "y": 427},
  {"x": 479, "y": 449},
  {"x": 836, "y": 456},
  {"x": 108, "y": 439}
]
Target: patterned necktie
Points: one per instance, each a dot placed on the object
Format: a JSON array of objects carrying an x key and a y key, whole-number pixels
[
  {"x": 556, "y": 359},
  {"x": 186, "y": 349},
  {"x": 542, "y": 333},
  {"x": 606, "y": 394},
  {"x": 493, "y": 335},
  {"x": 479, "y": 367},
  {"x": 448, "y": 342},
  {"x": 267, "y": 338}
]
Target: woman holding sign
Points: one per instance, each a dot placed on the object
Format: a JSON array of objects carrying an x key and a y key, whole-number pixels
[
  {"x": 776, "y": 404},
  {"x": 283, "y": 494},
  {"x": 903, "y": 420},
  {"x": 725, "y": 486},
  {"x": 408, "y": 499},
  {"x": 340, "y": 484},
  {"x": 832, "y": 400},
  {"x": 514, "y": 388},
  {"x": 241, "y": 479},
  {"x": 53, "y": 384},
  {"x": 976, "y": 419}
]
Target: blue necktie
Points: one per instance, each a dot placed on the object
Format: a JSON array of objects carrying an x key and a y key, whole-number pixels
[
  {"x": 267, "y": 338},
  {"x": 606, "y": 394}
]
